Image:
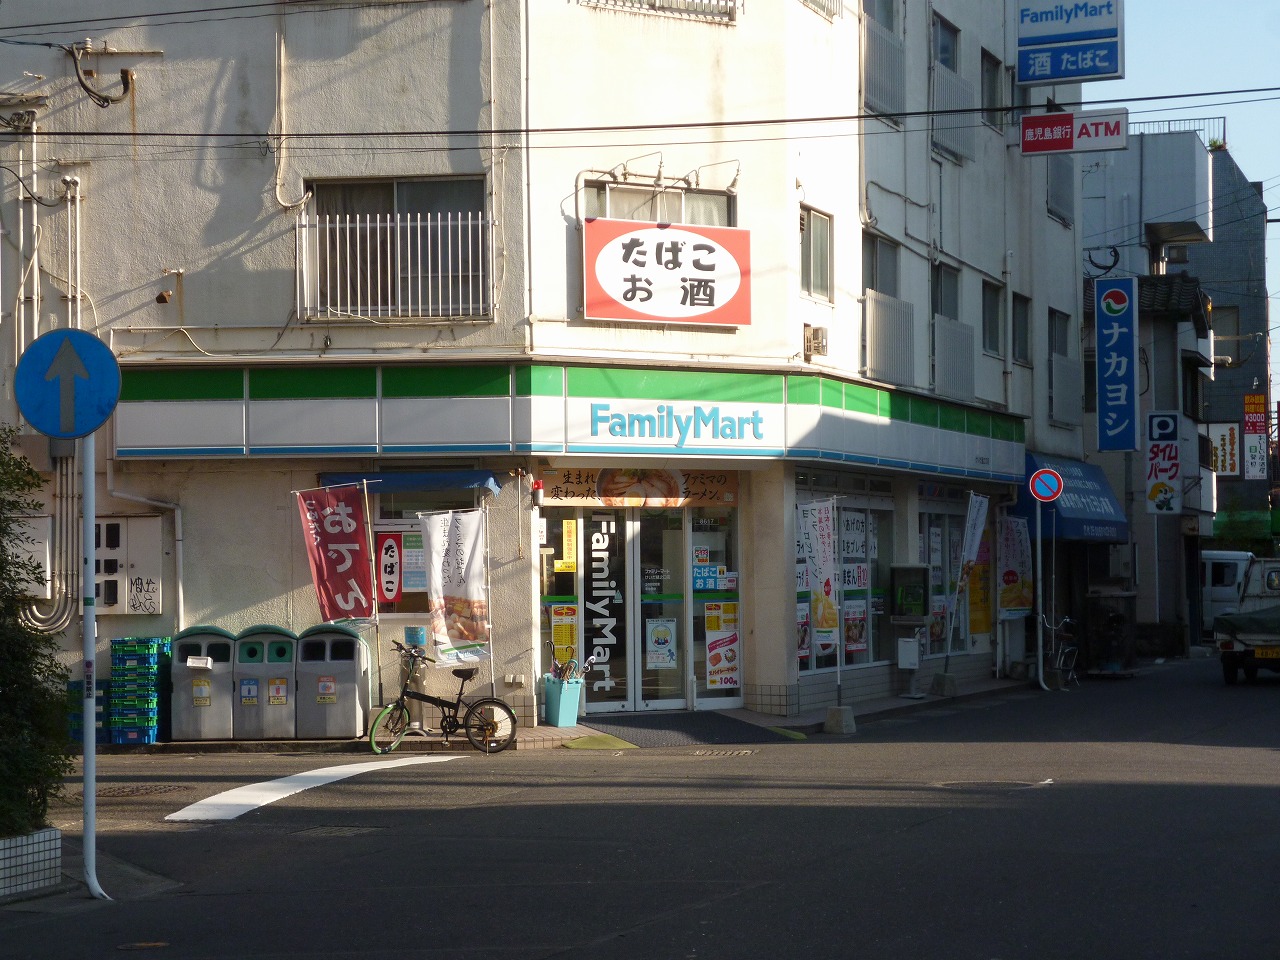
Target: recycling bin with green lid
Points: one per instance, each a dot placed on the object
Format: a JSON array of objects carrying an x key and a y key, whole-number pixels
[
  {"x": 200, "y": 708},
  {"x": 333, "y": 683},
  {"x": 264, "y": 681}
]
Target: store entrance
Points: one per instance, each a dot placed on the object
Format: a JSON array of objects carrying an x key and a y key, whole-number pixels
[
  {"x": 650, "y": 594},
  {"x": 633, "y": 610}
]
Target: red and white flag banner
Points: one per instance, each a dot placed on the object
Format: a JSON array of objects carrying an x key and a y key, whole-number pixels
[{"x": 336, "y": 532}]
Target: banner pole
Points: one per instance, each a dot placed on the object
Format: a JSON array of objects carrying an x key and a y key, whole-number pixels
[
  {"x": 372, "y": 542},
  {"x": 488, "y": 609}
]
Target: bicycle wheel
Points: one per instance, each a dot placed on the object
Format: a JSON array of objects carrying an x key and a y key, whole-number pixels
[
  {"x": 490, "y": 725},
  {"x": 390, "y": 727}
]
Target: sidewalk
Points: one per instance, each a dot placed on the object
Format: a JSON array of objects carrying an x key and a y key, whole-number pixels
[{"x": 544, "y": 737}]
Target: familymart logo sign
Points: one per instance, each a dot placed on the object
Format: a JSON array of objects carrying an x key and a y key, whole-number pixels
[{"x": 638, "y": 426}]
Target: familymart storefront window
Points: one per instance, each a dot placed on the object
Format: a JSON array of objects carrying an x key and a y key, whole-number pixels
[
  {"x": 841, "y": 611},
  {"x": 942, "y": 531},
  {"x": 638, "y": 568}
]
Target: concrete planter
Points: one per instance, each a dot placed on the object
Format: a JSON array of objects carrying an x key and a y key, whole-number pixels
[{"x": 31, "y": 862}]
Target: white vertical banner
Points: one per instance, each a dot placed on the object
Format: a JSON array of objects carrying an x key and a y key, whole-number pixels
[
  {"x": 817, "y": 533},
  {"x": 454, "y": 545},
  {"x": 975, "y": 522}
]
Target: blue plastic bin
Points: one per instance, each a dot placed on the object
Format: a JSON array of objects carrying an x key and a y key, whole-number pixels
[{"x": 563, "y": 697}]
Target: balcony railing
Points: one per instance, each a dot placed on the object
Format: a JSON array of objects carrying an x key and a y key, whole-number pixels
[
  {"x": 883, "y": 70},
  {"x": 395, "y": 266},
  {"x": 889, "y": 325},
  {"x": 718, "y": 9},
  {"x": 953, "y": 132},
  {"x": 952, "y": 358}
]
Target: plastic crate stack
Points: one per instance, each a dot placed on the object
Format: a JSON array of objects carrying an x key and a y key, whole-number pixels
[
  {"x": 135, "y": 688},
  {"x": 75, "y": 711}
]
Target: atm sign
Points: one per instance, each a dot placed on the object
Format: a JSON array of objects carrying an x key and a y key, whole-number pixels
[{"x": 1075, "y": 132}]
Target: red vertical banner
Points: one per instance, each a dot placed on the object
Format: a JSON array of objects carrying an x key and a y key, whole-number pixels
[{"x": 337, "y": 540}]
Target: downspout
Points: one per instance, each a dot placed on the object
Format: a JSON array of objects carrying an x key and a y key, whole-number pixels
[{"x": 180, "y": 613}]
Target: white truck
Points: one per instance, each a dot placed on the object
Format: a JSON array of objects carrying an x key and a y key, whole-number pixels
[{"x": 1249, "y": 640}]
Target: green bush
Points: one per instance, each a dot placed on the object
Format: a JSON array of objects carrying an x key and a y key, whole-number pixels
[{"x": 34, "y": 753}]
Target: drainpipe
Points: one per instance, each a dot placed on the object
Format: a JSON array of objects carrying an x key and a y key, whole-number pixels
[{"x": 180, "y": 613}]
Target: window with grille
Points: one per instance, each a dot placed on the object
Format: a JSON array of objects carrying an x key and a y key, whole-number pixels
[{"x": 395, "y": 248}]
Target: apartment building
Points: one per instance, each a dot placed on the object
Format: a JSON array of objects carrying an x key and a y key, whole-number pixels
[{"x": 645, "y": 280}]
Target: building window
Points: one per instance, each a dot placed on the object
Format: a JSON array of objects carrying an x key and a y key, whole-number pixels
[
  {"x": 1193, "y": 391},
  {"x": 815, "y": 253},
  {"x": 1059, "y": 333},
  {"x": 946, "y": 44},
  {"x": 707, "y": 208},
  {"x": 1226, "y": 334},
  {"x": 946, "y": 291},
  {"x": 992, "y": 90},
  {"x": 992, "y": 318},
  {"x": 1021, "y": 329},
  {"x": 883, "y": 12},
  {"x": 879, "y": 265},
  {"x": 395, "y": 248}
]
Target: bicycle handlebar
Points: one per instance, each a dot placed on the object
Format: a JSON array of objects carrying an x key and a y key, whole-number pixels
[{"x": 411, "y": 651}]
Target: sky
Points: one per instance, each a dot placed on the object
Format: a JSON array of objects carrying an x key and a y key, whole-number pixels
[{"x": 1185, "y": 47}]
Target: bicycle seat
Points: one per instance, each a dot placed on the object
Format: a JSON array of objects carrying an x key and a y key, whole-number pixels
[{"x": 465, "y": 673}]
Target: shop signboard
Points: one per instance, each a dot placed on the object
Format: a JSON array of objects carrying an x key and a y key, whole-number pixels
[
  {"x": 1116, "y": 308},
  {"x": 666, "y": 273},
  {"x": 1068, "y": 42},
  {"x": 1163, "y": 465},
  {"x": 1254, "y": 429}
]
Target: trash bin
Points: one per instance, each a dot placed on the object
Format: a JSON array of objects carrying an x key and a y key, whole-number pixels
[
  {"x": 563, "y": 697},
  {"x": 333, "y": 683},
  {"x": 200, "y": 708},
  {"x": 264, "y": 678}
]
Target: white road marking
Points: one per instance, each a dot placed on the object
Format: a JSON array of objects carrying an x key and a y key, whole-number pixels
[{"x": 232, "y": 803}]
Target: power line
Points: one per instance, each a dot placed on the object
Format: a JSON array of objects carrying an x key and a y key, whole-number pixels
[{"x": 132, "y": 135}]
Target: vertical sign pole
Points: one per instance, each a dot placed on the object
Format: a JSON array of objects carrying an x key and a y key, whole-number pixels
[
  {"x": 1039, "y": 599},
  {"x": 90, "y": 625}
]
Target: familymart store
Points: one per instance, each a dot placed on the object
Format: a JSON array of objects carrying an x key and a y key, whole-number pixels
[{"x": 644, "y": 517}]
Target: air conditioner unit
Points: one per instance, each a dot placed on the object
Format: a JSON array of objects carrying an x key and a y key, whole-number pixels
[{"x": 815, "y": 342}]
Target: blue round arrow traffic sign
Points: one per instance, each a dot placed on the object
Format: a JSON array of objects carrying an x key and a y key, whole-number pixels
[
  {"x": 67, "y": 383},
  {"x": 1046, "y": 485}
]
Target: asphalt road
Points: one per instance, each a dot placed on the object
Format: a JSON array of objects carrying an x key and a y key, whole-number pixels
[{"x": 1123, "y": 819}]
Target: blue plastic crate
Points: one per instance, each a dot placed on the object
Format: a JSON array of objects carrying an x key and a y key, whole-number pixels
[
  {"x": 134, "y": 718},
  {"x": 133, "y": 735},
  {"x": 135, "y": 661}
]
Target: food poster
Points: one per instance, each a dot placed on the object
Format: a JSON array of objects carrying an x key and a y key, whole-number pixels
[
  {"x": 724, "y": 659},
  {"x": 802, "y": 633},
  {"x": 660, "y": 644},
  {"x": 564, "y": 631},
  {"x": 639, "y": 487},
  {"x": 1014, "y": 586},
  {"x": 855, "y": 626},
  {"x": 980, "y": 588}
]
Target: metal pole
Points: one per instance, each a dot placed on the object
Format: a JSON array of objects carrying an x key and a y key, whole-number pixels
[
  {"x": 90, "y": 624},
  {"x": 1039, "y": 599}
]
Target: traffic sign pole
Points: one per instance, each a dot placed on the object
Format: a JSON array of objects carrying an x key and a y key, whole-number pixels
[
  {"x": 67, "y": 383},
  {"x": 88, "y": 453}
]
